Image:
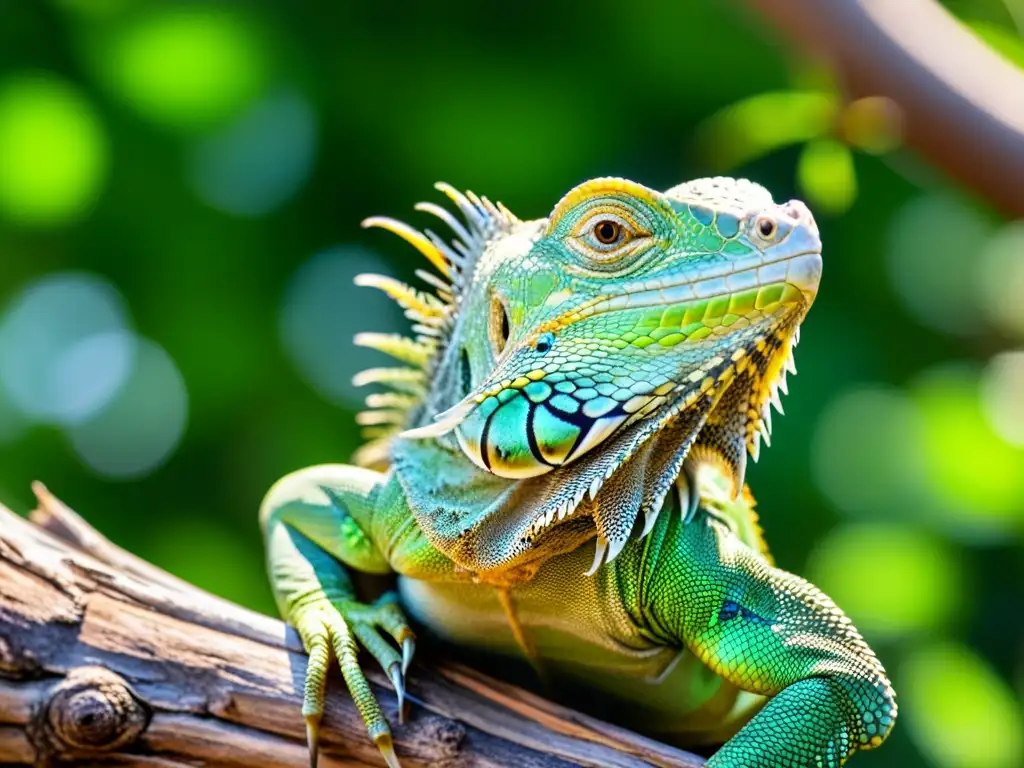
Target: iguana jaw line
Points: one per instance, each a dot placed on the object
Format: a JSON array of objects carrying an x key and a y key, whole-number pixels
[
  {"x": 780, "y": 363},
  {"x": 800, "y": 270}
]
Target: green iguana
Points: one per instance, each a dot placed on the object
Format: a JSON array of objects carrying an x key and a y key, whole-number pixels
[{"x": 560, "y": 473}]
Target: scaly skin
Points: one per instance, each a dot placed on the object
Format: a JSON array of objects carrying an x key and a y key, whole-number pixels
[{"x": 575, "y": 379}]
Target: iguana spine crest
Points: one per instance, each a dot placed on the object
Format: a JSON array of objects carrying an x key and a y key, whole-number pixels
[{"x": 433, "y": 313}]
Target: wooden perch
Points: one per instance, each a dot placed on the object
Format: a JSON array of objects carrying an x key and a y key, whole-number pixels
[
  {"x": 107, "y": 660},
  {"x": 962, "y": 103}
]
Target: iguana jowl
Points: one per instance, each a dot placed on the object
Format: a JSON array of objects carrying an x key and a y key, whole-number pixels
[{"x": 583, "y": 395}]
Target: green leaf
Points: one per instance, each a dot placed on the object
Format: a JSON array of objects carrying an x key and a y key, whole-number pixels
[
  {"x": 826, "y": 175},
  {"x": 761, "y": 124}
]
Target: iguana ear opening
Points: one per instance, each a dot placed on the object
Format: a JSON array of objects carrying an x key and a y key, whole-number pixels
[{"x": 499, "y": 327}]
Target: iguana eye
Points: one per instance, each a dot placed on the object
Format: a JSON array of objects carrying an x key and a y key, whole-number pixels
[
  {"x": 608, "y": 232},
  {"x": 605, "y": 235},
  {"x": 767, "y": 228},
  {"x": 608, "y": 236},
  {"x": 498, "y": 326}
]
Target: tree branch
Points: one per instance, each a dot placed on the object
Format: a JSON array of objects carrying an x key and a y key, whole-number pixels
[
  {"x": 962, "y": 104},
  {"x": 108, "y": 660}
]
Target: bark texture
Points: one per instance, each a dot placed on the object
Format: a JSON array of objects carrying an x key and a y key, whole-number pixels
[{"x": 106, "y": 660}]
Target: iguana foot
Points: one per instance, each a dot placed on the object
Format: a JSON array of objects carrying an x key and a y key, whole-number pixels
[{"x": 326, "y": 624}]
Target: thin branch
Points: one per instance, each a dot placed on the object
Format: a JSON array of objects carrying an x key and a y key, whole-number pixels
[
  {"x": 962, "y": 103},
  {"x": 108, "y": 660}
]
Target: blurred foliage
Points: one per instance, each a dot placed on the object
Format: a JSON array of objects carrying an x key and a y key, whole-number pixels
[{"x": 180, "y": 191}]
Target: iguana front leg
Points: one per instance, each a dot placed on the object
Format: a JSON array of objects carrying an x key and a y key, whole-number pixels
[
  {"x": 772, "y": 633},
  {"x": 313, "y": 521}
]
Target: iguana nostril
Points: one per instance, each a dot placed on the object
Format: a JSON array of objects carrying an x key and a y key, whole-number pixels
[{"x": 797, "y": 211}]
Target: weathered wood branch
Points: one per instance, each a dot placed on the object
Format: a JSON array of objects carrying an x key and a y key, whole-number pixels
[
  {"x": 962, "y": 103},
  {"x": 107, "y": 660}
]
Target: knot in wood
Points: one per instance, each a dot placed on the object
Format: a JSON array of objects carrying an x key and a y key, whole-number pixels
[
  {"x": 446, "y": 737},
  {"x": 93, "y": 709}
]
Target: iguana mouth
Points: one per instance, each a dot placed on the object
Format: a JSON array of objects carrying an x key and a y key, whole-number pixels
[{"x": 762, "y": 287}]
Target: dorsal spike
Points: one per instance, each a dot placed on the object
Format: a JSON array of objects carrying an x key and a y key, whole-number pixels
[
  {"x": 415, "y": 238},
  {"x": 379, "y": 417},
  {"x": 378, "y": 431},
  {"x": 407, "y": 297},
  {"x": 473, "y": 217},
  {"x": 453, "y": 223},
  {"x": 433, "y": 313},
  {"x": 453, "y": 257},
  {"x": 373, "y": 454},
  {"x": 510, "y": 217},
  {"x": 399, "y": 347},
  {"x": 409, "y": 380},
  {"x": 393, "y": 400},
  {"x": 433, "y": 280},
  {"x": 429, "y": 330},
  {"x": 490, "y": 207}
]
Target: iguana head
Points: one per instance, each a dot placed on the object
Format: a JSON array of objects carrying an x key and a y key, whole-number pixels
[{"x": 578, "y": 359}]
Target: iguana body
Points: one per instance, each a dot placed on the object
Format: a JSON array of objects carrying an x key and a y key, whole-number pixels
[{"x": 570, "y": 482}]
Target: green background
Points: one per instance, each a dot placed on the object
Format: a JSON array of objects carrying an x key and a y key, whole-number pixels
[{"x": 181, "y": 187}]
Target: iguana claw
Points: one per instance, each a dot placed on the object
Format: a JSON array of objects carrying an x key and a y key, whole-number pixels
[
  {"x": 387, "y": 750},
  {"x": 408, "y": 649},
  {"x": 313, "y": 738},
  {"x": 396, "y": 675}
]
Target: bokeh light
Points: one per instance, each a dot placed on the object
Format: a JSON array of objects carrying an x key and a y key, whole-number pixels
[
  {"x": 53, "y": 151},
  {"x": 891, "y": 579},
  {"x": 137, "y": 431},
  {"x": 958, "y": 710},
  {"x": 183, "y": 66},
  {"x": 826, "y": 175},
  {"x": 1002, "y": 278},
  {"x": 976, "y": 477},
  {"x": 323, "y": 309},
  {"x": 865, "y": 453},
  {"x": 1002, "y": 396},
  {"x": 64, "y": 347},
  {"x": 932, "y": 241},
  {"x": 258, "y": 162},
  {"x": 873, "y": 124}
]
